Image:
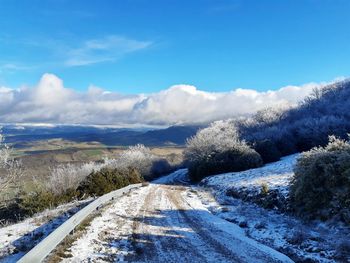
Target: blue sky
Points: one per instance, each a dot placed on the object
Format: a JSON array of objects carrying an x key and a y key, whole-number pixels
[{"x": 140, "y": 46}]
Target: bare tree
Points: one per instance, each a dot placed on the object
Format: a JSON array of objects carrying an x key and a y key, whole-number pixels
[{"x": 10, "y": 169}]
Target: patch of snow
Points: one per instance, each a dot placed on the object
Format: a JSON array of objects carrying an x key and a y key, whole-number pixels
[{"x": 275, "y": 175}]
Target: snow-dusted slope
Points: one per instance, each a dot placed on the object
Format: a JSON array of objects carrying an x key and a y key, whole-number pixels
[
  {"x": 303, "y": 241},
  {"x": 17, "y": 239},
  {"x": 275, "y": 175}
]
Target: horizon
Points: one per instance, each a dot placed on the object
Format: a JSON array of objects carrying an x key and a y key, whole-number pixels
[
  {"x": 164, "y": 63},
  {"x": 50, "y": 102}
]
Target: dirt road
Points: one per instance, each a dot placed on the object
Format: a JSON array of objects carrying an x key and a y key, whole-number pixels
[{"x": 166, "y": 222}]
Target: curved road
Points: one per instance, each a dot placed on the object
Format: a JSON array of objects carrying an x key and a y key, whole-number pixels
[{"x": 166, "y": 222}]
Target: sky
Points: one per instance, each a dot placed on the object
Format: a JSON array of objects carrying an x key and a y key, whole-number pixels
[{"x": 145, "y": 49}]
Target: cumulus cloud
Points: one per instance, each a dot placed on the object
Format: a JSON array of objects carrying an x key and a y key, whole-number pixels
[{"x": 50, "y": 102}]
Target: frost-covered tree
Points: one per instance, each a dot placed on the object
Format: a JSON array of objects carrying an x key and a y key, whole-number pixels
[
  {"x": 10, "y": 169},
  {"x": 218, "y": 137},
  {"x": 323, "y": 113},
  {"x": 217, "y": 149}
]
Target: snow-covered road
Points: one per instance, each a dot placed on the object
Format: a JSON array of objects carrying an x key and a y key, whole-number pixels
[{"x": 166, "y": 222}]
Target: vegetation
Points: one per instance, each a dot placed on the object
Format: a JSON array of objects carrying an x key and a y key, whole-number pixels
[
  {"x": 65, "y": 178},
  {"x": 141, "y": 158},
  {"x": 321, "y": 185},
  {"x": 107, "y": 180},
  {"x": 217, "y": 149},
  {"x": 73, "y": 181},
  {"x": 275, "y": 132},
  {"x": 239, "y": 144},
  {"x": 10, "y": 169}
]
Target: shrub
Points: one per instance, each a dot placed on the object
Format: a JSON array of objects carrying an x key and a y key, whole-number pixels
[
  {"x": 39, "y": 198},
  {"x": 66, "y": 178},
  {"x": 107, "y": 180},
  {"x": 268, "y": 151},
  {"x": 219, "y": 137},
  {"x": 141, "y": 158},
  {"x": 321, "y": 184},
  {"x": 160, "y": 167},
  {"x": 217, "y": 149},
  {"x": 36, "y": 201}
]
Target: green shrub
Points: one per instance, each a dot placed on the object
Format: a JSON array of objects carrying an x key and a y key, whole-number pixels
[
  {"x": 107, "y": 179},
  {"x": 36, "y": 201},
  {"x": 40, "y": 199},
  {"x": 321, "y": 184}
]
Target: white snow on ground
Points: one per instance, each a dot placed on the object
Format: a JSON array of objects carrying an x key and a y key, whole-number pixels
[
  {"x": 276, "y": 175},
  {"x": 317, "y": 241},
  {"x": 115, "y": 220},
  {"x": 16, "y": 239},
  {"x": 166, "y": 222}
]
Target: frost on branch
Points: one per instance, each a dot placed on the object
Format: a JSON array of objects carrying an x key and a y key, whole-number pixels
[{"x": 10, "y": 168}]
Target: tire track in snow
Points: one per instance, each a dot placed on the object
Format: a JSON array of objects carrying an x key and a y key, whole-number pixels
[{"x": 163, "y": 224}]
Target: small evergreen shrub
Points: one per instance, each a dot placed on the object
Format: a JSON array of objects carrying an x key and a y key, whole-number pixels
[
  {"x": 40, "y": 199},
  {"x": 321, "y": 184},
  {"x": 107, "y": 180}
]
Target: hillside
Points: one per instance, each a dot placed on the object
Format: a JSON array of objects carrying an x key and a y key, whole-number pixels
[{"x": 325, "y": 112}]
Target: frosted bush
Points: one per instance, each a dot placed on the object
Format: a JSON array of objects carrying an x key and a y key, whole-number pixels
[
  {"x": 217, "y": 149},
  {"x": 69, "y": 176},
  {"x": 141, "y": 158},
  {"x": 218, "y": 137},
  {"x": 321, "y": 184}
]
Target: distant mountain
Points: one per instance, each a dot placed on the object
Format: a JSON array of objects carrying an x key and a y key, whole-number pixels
[{"x": 174, "y": 135}]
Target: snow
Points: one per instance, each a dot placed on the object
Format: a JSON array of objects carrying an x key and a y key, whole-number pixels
[
  {"x": 16, "y": 239},
  {"x": 166, "y": 221},
  {"x": 275, "y": 175},
  {"x": 115, "y": 221},
  {"x": 318, "y": 241}
]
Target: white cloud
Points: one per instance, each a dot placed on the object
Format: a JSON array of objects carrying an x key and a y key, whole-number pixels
[
  {"x": 50, "y": 102},
  {"x": 13, "y": 67},
  {"x": 109, "y": 48}
]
